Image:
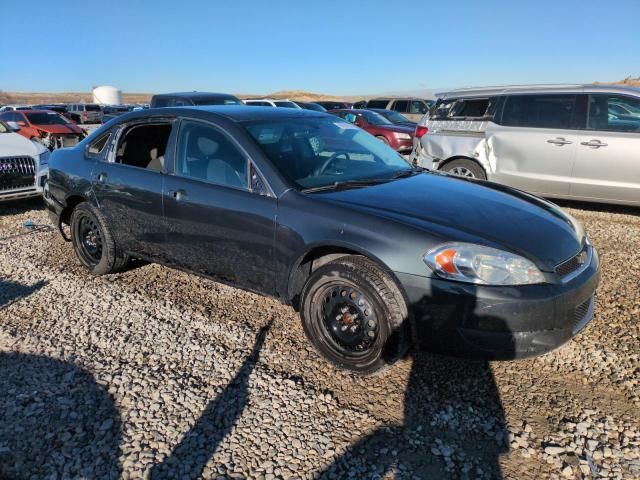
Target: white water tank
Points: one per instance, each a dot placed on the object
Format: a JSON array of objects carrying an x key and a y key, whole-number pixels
[{"x": 106, "y": 95}]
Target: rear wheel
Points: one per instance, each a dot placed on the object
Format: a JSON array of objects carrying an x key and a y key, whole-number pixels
[
  {"x": 93, "y": 243},
  {"x": 354, "y": 315},
  {"x": 465, "y": 168}
]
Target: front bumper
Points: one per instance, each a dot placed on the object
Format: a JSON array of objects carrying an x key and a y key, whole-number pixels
[
  {"x": 499, "y": 323},
  {"x": 34, "y": 190}
]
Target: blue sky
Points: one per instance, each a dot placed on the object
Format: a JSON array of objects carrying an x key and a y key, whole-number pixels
[{"x": 328, "y": 46}]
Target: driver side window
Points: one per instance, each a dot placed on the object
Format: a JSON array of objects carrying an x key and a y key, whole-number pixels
[{"x": 205, "y": 153}]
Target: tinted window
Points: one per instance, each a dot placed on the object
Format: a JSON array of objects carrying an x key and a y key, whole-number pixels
[
  {"x": 285, "y": 104},
  {"x": 540, "y": 111},
  {"x": 377, "y": 103},
  {"x": 613, "y": 112},
  {"x": 46, "y": 119},
  {"x": 205, "y": 153},
  {"x": 92, "y": 108},
  {"x": 260, "y": 104},
  {"x": 475, "y": 108},
  {"x": 401, "y": 106},
  {"x": 159, "y": 102},
  {"x": 217, "y": 101},
  {"x": 144, "y": 146}
]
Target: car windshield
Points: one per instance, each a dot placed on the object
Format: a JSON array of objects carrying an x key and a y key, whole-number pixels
[
  {"x": 46, "y": 119},
  {"x": 396, "y": 117},
  {"x": 375, "y": 118},
  {"x": 315, "y": 106},
  {"x": 218, "y": 101},
  {"x": 4, "y": 128},
  {"x": 318, "y": 151}
]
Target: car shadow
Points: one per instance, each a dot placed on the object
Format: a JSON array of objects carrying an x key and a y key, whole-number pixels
[
  {"x": 11, "y": 292},
  {"x": 454, "y": 424},
  {"x": 189, "y": 458},
  {"x": 597, "y": 207},
  {"x": 57, "y": 422},
  {"x": 15, "y": 207}
]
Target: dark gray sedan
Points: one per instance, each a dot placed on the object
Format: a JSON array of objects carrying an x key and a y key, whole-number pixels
[{"x": 305, "y": 207}]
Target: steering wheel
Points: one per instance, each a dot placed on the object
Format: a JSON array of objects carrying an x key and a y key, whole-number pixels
[{"x": 330, "y": 160}]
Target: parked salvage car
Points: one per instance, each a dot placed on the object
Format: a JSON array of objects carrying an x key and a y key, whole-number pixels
[
  {"x": 305, "y": 207},
  {"x": 570, "y": 141},
  {"x": 332, "y": 105},
  {"x": 193, "y": 98},
  {"x": 46, "y": 127},
  {"x": 413, "y": 108},
  {"x": 311, "y": 106},
  {"x": 82, "y": 113},
  {"x": 394, "y": 117},
  {"x": 23, "y": 165},
  {"x": 269, "y": 102},
  {"x": 398, "y": 137}
]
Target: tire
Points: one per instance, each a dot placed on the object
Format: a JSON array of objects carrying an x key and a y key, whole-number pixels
[
  {"x": 383, "y": 139},
  {"x": 355, "y": 288},
  {"x": 93, "y": 243},
  {"x": 465, "y": 168}
]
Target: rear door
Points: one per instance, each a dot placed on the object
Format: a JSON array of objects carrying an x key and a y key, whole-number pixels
[
  {"x": 128, "y": 181},
  {"x": 608, "y": 153},
  {"x": 218, "y": 223},
  {"x": 534, "y": 144}
]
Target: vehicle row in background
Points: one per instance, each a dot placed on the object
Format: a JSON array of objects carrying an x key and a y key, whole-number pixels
[
  {"x": 574, "y": 141},
  {"x": 44, "y": 126},
  {"x": 412, "y": 108},
  {"x": 398, "y": 137}
]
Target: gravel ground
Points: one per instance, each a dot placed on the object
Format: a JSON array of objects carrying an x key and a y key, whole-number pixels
[{"x": 154, "y": 373}]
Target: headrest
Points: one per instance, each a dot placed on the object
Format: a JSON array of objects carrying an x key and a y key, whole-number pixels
[{"x": 207, "y": 146}]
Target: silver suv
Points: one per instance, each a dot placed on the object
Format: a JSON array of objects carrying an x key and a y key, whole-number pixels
[{"x": 573, "y": 141}]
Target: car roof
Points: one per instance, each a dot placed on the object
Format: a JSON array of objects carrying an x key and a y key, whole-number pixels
[
  {"x": 237, "y": 113},
  {"x": 525, "y": 89}
]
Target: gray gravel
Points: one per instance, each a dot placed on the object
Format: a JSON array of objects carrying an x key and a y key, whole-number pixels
[{"x": 157, "y": 373}]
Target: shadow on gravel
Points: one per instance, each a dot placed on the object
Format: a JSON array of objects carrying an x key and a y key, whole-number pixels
[
  {"x": 454, "y": 424},
  {"x": 15, "y": 207},
  {"x": 57, "y": 422},
  {"x": 189, "y": 458},
  {"x": 11, "y": 292},
  {"x": 598, "y": 207}
]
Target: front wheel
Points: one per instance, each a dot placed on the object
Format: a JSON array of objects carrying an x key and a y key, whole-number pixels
[
  {"x": 93, "y": 243},
  {"x": 465, "y": 168},
  {"x": 354, "y": 315}
]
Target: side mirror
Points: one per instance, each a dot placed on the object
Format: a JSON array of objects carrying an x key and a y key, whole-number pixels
[{"x": 14, "y": 126}]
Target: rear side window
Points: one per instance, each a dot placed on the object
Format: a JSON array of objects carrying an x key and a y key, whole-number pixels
[
  {"x": 470, "y": 108},
  {"x": 614, "y": 113},
  {"x": 92, "y": 108},
  {"x": 418, "y": 107},
  {"x": 540, "y": 111},
  {"x": 159, "y": 102},
  {"x": 401, "y": 106},
  {"x": 97, "y": 147},
  {"x": 144, "y": 146}
]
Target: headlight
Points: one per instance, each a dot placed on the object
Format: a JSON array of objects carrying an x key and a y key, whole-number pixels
[
  {"x": 467, "y": 262},
  {"x": 403, "y": 136}
]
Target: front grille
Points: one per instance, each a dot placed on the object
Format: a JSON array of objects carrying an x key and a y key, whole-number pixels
[
  {"x": 574, "y": 263},
  {"x": 17, "y": 173},
  {"x": 582, "y": 314}
]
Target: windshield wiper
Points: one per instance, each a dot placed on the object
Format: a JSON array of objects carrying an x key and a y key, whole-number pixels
[{"x": 341, "y": 185}]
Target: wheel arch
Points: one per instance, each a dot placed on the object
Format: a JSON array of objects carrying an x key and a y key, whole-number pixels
[
  {"x": 321, "y": 254},
  {"x": 72, "y": 201},
  {"x": 463, "y": 157}
]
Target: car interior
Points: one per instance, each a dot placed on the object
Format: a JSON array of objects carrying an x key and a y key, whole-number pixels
[{"x": 144, "y": 146}]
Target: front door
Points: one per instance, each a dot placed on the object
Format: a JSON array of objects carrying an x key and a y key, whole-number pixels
[
  {"x": 127, "y": 183},
  {"x": 216, "y": 224},
  {"x": 534, "y": 144},
  {"x": 608, "y": 156}
]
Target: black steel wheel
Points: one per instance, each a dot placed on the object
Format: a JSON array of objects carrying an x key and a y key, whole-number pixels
[
  {"x": 93, "y": 243},
  {"x": 354, "y": 314}
]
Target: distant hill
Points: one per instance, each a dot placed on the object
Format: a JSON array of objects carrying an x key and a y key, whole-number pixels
[{"x": 629, "y": 81}]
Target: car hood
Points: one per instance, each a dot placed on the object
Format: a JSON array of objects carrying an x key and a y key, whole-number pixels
[
  {"x": 14, "y": 145},
  {"x": 397, "y": 128},
  {"x": 57, "y": 129},
  {"x": 455, "y": 209}
]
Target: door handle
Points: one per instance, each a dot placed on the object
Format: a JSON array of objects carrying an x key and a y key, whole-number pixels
[
  {"x": 101, "y": 177},
  {"x": 178, "y": 194},
  {"x": 593, "y": 143},
  {"x": 559, "y": 141}
]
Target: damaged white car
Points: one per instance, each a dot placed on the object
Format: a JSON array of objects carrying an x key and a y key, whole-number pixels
[
  {"x": 574, "y": 142},
  {"x": 23, "y": 165}
]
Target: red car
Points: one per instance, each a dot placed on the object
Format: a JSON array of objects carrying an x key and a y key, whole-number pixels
[
  {"x": 398, "y": 137},
  {"x": 45, "y": 126}
]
